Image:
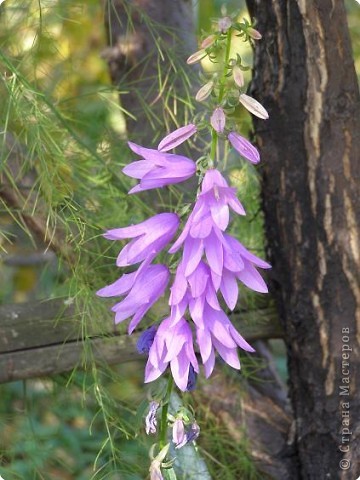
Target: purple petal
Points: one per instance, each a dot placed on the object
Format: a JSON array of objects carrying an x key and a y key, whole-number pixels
[
  {"x": 179, "y": 287},
  {"x": 212, "y": 177},
  {"x": 214, "y": 253},
  {"x": 218, "y": 325},
  {"x": 196, "y": 308},
  {"x": 229, "y": 289},
  {"x": 193, "y": 250},
  {"x": 209, "y": 364},
  {"x": 119, "y": 287},
  {"x": 138, "y": 169},
  {"x": 250, "y": 277},
  {"x": 240, "y": 340},
  {"x": 229, "y": 355},
  {"x": 198, "y": 280},
  {"x": 180, "y": 370},
  {"x": 177, "y": 137},
  {"x": 220, "y": 214},
  {"x": 149, "y": 154},
  {"x": 244, "y": 147},
  {"x": 204, "y": 341}
]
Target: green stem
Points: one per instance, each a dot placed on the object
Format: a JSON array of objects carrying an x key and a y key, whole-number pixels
[
  {"x": 226, "y": 61},
  {"x": 214, "y": 135},
  {"x": 164, "y": 413},
  {"x": 214, "y": 140}
]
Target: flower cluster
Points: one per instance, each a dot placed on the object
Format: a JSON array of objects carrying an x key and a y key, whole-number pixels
[{"x": 210, "y": 263}]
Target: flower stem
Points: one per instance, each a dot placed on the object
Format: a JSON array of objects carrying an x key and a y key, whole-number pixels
[
  {"x": 226, "y": 61},
  {"x": 214, "y": 140},
  {"x": 164, "y": 413},
  {"x": 214, "y": 135}
]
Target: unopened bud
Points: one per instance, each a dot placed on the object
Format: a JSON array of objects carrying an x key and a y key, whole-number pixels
[
  {"x": 224, "y": 24},
  {"x": 177, "y": 137},
  {"x": 238, "y": 76},
  {"x": 196, "y": 57},
  {"x": 253, "y": 106},
  {"x": 204, "y": 91},
  {"x": 254, "y": 33},
  {"x": 208, "y": 41},
  {"x": 218, "y": 120}
]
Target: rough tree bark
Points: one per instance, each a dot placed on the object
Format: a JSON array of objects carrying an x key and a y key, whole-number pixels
[{"x": 305, "y": 77}]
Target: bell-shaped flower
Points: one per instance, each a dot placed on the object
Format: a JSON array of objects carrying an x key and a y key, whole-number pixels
[
  {"x": 149, "y": 238},
  {"x": 244, "y": 147},
  {"x": 158, "y": 169},
  {"x": 214, "y": 331},
  {"x": 240, "y": 264},
  {"x": 177, "y": 137},
  {"x": 172, "y": 345},
  {"x": 142, "y": 289},
  {"x": 209, "y": 218}
]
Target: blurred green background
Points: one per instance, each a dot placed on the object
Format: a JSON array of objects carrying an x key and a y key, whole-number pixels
[{"x": 58, "y": 100}]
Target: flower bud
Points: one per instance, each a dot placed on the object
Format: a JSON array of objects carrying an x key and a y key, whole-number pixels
[
  {"x": 176, "y": 137},
  {"x": 150, "y": 420},
  {"x": 208, "y": 41},
  {"x": 244, "y": 147},
  {"x": 218, "y": 120},
  {"x": 254, "y": 33},
  {"x": 196, "y": 57},
  {"x": 238, "y": 76},
  {"x": 178, "y": 432},
  {"x": 224, "y": 24},
  {"x": 253, "y": 106},
  {"x": 146, "y": 339},
  {"x": 204, "y": 91}
]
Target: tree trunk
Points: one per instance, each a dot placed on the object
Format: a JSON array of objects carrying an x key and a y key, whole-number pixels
[{"x": 305, "y": 77}]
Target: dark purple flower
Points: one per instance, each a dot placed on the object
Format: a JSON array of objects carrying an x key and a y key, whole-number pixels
[
  {"x": 190, "y": 435},
  {"x": 149, "y": 238},
  {"x": 146, "y": 339},
  {"x": 191, "y": 380},
  {"x": 158, "y": 169},
  {"x": 142, "y": 289},
  {"x": 244, "y": 147}
]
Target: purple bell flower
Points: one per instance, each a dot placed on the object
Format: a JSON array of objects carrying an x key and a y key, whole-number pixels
[
  {"x": 149, "y": 238},
  {"x": 158, "y": 169},
  {"x": 142, "y": 289},
  {"x": 209, "y": 218},
  {"x": 174, "y": 346}
]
